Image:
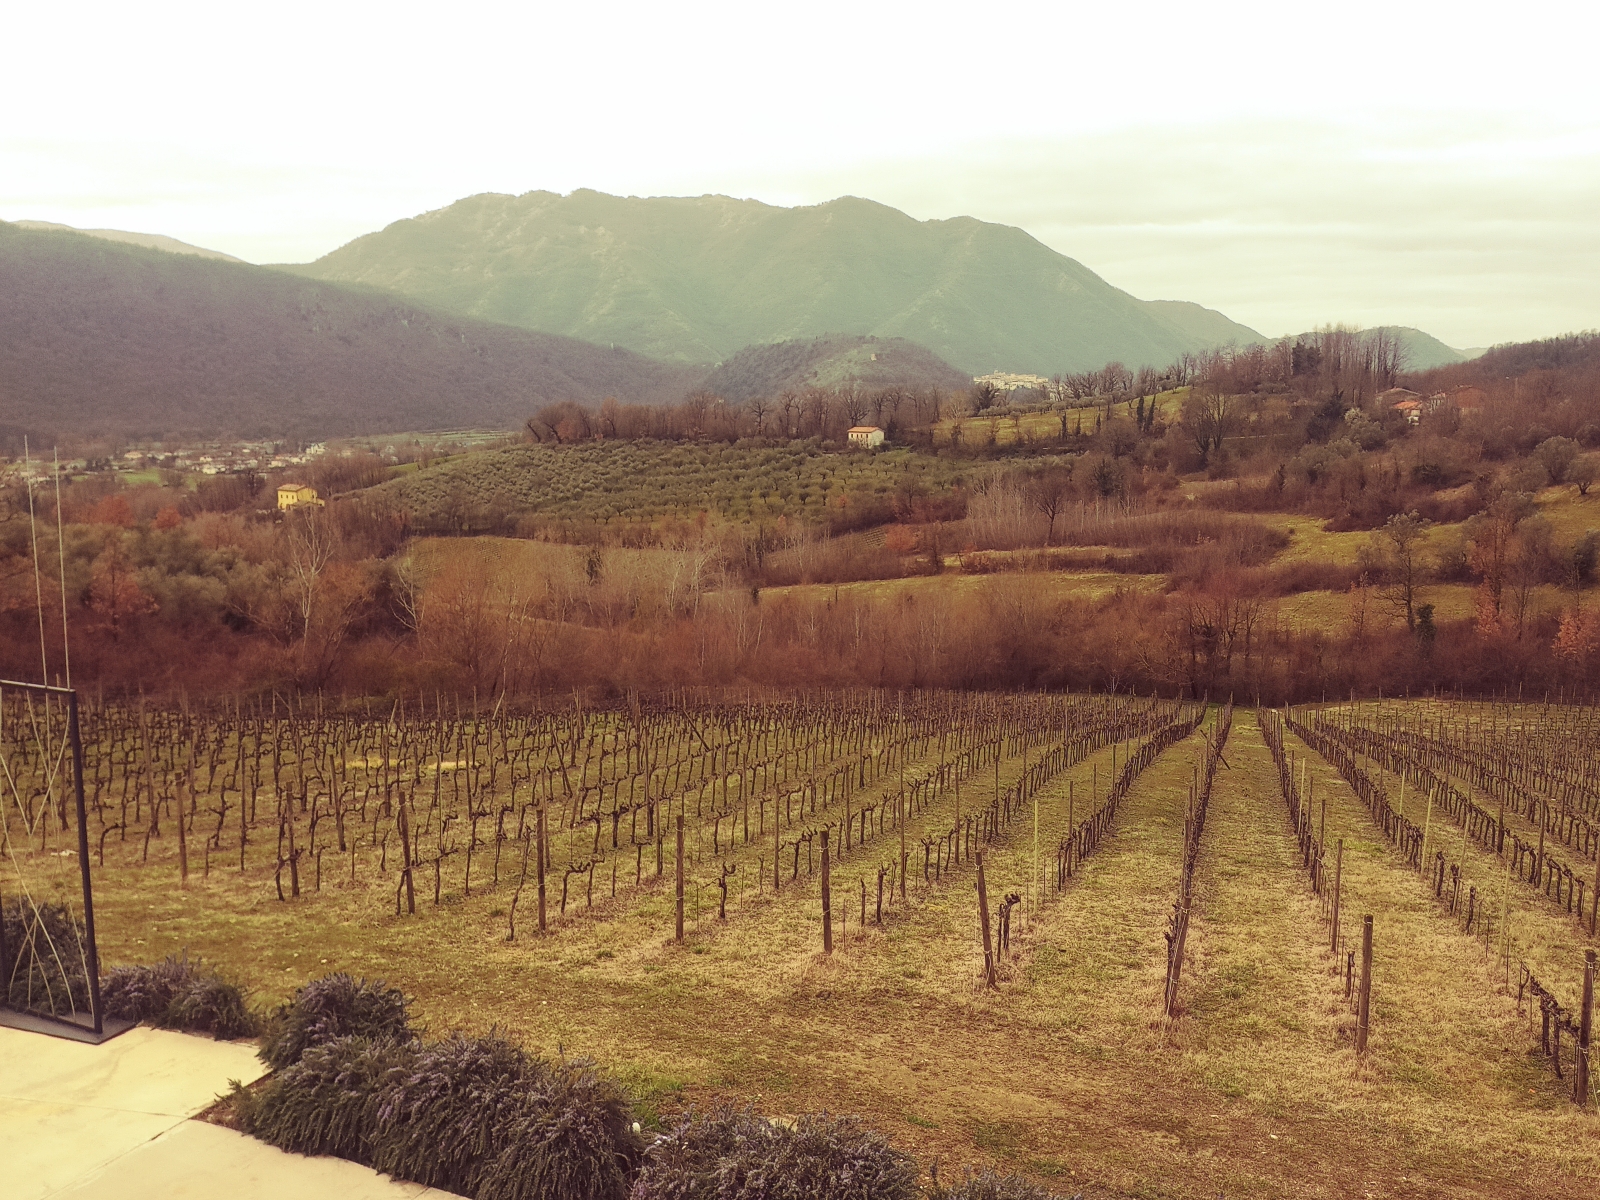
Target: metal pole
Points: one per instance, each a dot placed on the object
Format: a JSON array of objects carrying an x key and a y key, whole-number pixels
[
  {"x": 83, "y": 864},
  {"x": 5, "y": 957}
]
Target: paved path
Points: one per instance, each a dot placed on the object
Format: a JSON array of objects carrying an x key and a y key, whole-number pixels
[{"x": 112, "y": 1122}]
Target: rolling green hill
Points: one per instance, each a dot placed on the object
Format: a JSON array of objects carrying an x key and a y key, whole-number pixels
[
  {"x": 1423, "y": 350},
  {"x": 828, "y": 362},
  {"x": 696, "y": 279}
]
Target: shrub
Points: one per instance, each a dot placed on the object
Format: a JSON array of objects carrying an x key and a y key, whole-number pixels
[
  {"x": 574, "y": 1141},
  {"x": 326, "y": 1102},
  {"x": 738, "y": 1155},
  {"x": 178, "y": 994},
  {"x": 441, "y": 1121},
  {"x": 685, "y": 1163},
  {"x": 828, "y": 1157},
  {"x": 334, "y": 1006},
  {"x": 142, "y": 993},
  {"x": 990, "y": 1185},
  {"x": 210, "y": 1004}
]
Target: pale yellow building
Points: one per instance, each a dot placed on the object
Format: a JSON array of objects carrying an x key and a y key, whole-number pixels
[{"x": 297, "y": 495}]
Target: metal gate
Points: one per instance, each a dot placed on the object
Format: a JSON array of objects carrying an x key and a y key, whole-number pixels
[{"x": 49, "y": 962}]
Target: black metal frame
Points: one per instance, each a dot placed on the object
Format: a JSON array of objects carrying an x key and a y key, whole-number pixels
[{"x": 99, "y": 1028}]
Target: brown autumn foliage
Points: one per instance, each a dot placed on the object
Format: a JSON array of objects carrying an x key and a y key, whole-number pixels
[{"x": 202, "y": 590}]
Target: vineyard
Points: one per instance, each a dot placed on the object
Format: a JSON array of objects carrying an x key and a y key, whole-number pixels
[
  {"x": 643, "y": 481},
  {"x": 1126, "y": 945}
]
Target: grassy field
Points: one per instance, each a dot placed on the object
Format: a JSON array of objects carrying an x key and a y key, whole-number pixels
[
  {"x": 1057, "y": 585},
  {"x": 1068, "y": 1071}
]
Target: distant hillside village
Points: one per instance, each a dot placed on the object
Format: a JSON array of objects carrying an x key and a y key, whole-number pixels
[
  {"x": 204, "y": 458},
  {"x": 1011, "y": 381}
]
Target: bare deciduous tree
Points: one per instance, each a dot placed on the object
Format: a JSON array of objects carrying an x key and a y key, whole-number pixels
[
  {"x": 1049, "y": 491},
  {"x": 1210, "y": 415},
  {"x": 1396, "y": 553}
]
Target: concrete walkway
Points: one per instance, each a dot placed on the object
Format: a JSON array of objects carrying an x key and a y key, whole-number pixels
[{"x": 112, "y": 1122}]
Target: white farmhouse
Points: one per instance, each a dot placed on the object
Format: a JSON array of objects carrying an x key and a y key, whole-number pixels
[{"x": 869, "y": 436}]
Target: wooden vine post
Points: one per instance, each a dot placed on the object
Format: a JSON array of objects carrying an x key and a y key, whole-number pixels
[
  {"x": 983, "y": 920},
  {"x": 1427, "y": 827},
  {"x": 904, "y": 857},
  {"x": 680, "y": 878},
  {"x": 1580, "y": 1082},
  {"x": 185, "y": 800},
  {"x": 1594, "y": 904},
  {"x": 1538, "y": 859},
  {"x": 1364, "y": 1006},
  {"x": 1033, "y": 881},
  {"x": 404, "y": 823},
  {"x": 1338, "y": 879},
  {"x": 1176, "y": 941},
  {"x": 540, "y": 855},
  {"x": 1505, "y": 913},
  {"x": 154, "y": 827},
  {"x": 827, "y": 899}
]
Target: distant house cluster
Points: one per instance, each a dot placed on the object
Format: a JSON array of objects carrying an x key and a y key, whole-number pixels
[
  {"x": 218, "y": 458},
  {"x": 870, "y": 436},
  {"x": 1414, "y": 405},
  {"x": 223, "y": 458}
]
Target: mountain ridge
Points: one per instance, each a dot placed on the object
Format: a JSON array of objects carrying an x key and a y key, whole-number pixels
[
  {"x": 687, "y": 278},
  {"x": 150, "y": 241}
]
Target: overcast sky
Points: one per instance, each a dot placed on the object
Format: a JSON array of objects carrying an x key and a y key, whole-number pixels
[{"x": 1394, "y": 162}]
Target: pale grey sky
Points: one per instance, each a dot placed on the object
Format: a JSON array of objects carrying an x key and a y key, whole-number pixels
[{"x": 1392, "y": 162}]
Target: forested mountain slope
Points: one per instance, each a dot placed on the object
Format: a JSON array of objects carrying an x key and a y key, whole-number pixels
[
  {"x": 696, "y": 279},
  {"x": 99, "y": 337}
]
